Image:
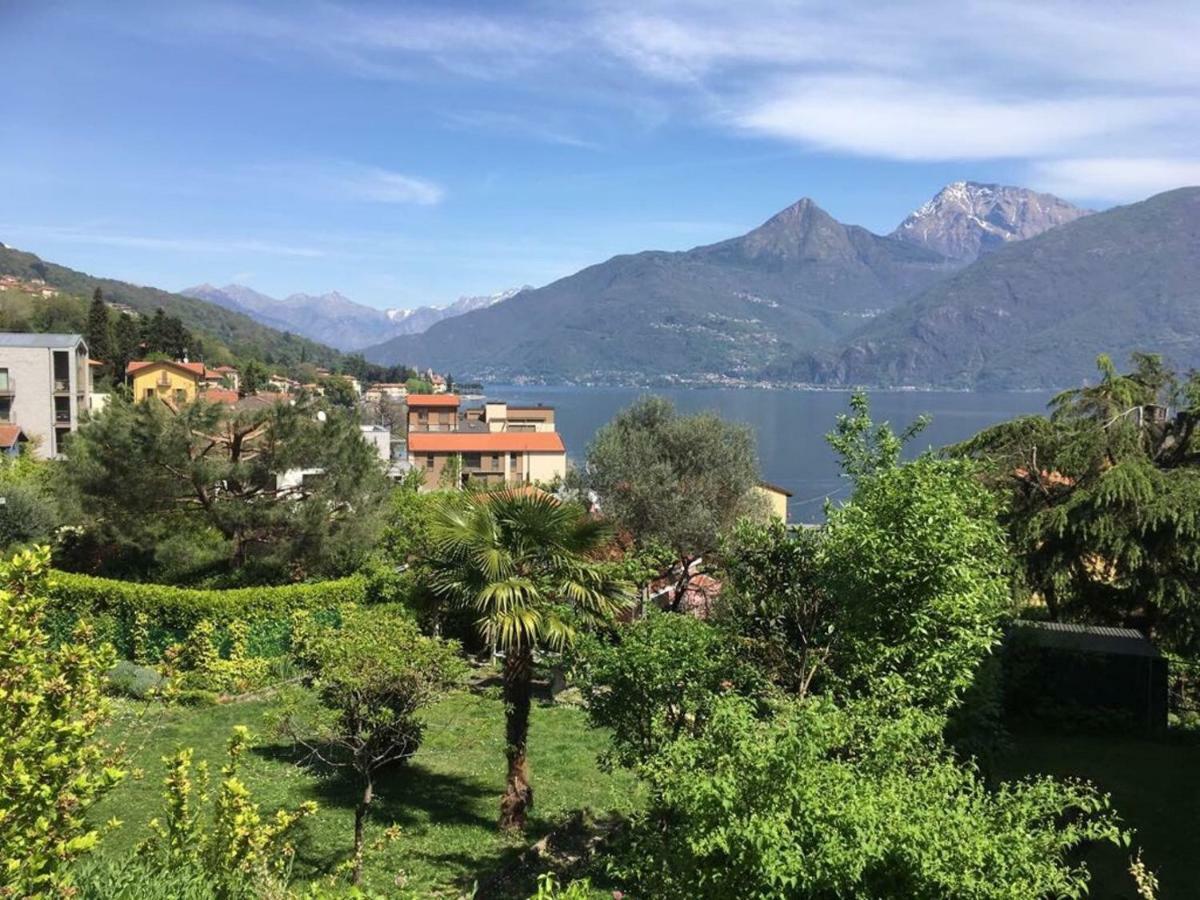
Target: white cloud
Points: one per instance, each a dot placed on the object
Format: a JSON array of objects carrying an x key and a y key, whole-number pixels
[
  {"x": 1115, "y": 178},
  {"x": 340, "y": 180},
  {"x": 99, "y": 236},
  {"x": 909, "y": 121},
  {"x": 923, "y": 80}
]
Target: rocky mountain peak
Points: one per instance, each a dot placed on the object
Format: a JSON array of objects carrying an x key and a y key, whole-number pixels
[
  {"x": 966, "y": 219},
  {"x": 802, "y": 231}
]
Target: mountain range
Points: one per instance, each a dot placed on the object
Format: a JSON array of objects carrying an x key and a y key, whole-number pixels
[
  {"x": 983, "y": 286},
  {"x": 333, "y": 318},
  {"x": 225, "y": 333}
]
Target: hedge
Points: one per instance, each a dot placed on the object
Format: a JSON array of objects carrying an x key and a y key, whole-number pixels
[{"x": 169, "y": 613}]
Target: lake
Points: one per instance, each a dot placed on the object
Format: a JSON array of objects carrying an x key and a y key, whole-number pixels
[{"x": 790, "y": 425}]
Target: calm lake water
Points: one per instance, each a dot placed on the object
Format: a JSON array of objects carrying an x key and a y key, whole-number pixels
[{"x": 790, "y": 425}]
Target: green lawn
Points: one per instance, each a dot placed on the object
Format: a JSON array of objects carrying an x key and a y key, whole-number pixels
[
  {"x": 445, "y": 801},
  {"x": 1155, "y": 785}
]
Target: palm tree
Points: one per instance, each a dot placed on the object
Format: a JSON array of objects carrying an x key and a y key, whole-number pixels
[{"x": 522, "y": 560}]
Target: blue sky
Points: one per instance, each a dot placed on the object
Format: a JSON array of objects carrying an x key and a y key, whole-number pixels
[{"x": 405, "y": 153}]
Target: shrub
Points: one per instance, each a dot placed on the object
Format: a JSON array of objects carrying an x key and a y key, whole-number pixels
[
  {"x": 51, "y": 766},
  {"x": 142, "y": 620},
  {"x": 128, "y": 679}
]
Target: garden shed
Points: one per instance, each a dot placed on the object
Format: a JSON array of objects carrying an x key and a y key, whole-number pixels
[{"x": 1085, "y": 674}]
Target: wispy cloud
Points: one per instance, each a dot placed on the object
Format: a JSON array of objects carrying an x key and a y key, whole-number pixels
[
  {"x": 101, "y": 237},
  {"x": 1116, "y": 178},
  {"x": 1034, "y": 80},
  {"x": 340, "y": 180}
]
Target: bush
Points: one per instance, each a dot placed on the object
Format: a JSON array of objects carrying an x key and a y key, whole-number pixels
[
  {"x": 129, "y": 613},
  {"x": 128, "y": 679}
]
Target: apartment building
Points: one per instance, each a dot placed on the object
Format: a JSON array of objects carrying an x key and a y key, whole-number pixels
[
  {"x": 494, "y": 444},
  {"x": 45, "y": 386},
  {"x": 488, "y": 458}
]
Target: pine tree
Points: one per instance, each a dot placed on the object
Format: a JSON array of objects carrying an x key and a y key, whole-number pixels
[{"x": 99, "y": 331}]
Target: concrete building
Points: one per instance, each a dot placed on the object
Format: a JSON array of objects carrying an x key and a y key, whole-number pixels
[
  {"x": 499, "y": 416},
  {"x": 488, "y": 458},
  {"x": 45, "y": 386},
  {"x": 776, "y": 499},
  {"x": 432, "y": 412}
]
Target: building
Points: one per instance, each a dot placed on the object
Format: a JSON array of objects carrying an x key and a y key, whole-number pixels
[
  {"x": 45, "y": 386},
  {"x": 11, "y": 439},
  {"x": 432, "y": 412},
  {"x": 488, "y": 458},
  {"x": 1061, "y": 673},
  {"x": 177, "y": 382},
  {"x": 383, "y": 390},
  {"x": 499, "y": 416},
  {"x": 777, "y": 499},
  {"x": 227, "y": 376}
]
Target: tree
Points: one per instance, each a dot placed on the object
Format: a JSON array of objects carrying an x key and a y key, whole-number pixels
[
  {"x": 520, "y": 559},
  {"x": 658, "y": 679},
  {"x": 1101, "y": 500},
  {"x": 863, "y": 446},
  {"x": 148, "y": 472},
  {"x": 99, "y": 331},
  {"x": 915, "y": 567},
  {"x": 126, "y": 338},
  {"x": 253, "y": 377},
  {"x": 52, "y": 767},
  {"x": 416, "y": 385},
  {"x": 339, "y": 391},
  {"x": 372, "y": 677},
  {"x": 774, "y": 599},
  {"x": 678, "y": 480}
]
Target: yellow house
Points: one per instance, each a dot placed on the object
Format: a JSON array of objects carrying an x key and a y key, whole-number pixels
[
  {"x": 176, "y": 382},
  {"x": 777, "y": 499}
]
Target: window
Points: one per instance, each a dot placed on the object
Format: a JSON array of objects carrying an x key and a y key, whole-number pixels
[
  {"x": 5, "y": 384},
  {"x": 5, "y": 409},
  {"x": 429, "y": 461},
  {"x": 471, "y": 460},
  {"x": 149, "y": 394},
  {"x": 62, "y": 410},
  {"x": 180, "y": 395},
  {"x": 496, "y": 461}
]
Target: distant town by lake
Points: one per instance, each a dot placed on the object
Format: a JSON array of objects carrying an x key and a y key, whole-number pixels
[{"x": 790, "y": 425}]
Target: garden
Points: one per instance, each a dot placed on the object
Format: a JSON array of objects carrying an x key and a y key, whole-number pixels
[{"x": 482, "y": 703}]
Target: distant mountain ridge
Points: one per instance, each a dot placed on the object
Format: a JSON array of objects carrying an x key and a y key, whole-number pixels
[
  {"x": 798, "y": 281},
  {"x": 967, "y": 219},
  {"x": 1036, "y": 313},
  {"x": 239, "y": 333},
  {"x": 334, "y": 318}
]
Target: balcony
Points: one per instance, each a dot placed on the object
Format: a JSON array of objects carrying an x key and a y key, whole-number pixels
[{"x": 62, "y": 385}]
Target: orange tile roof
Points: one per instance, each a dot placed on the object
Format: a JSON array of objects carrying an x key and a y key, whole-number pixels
[
  {"x": 485, "y": 442},
  {"x": 194, "y": 367},
  {"x": 213, "y": 395},
  {"x": 9, "y": 435},
  {"x": 433, "y": 400}
]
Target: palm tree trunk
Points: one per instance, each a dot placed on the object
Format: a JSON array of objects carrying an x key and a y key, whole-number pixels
[{"x": 518, "y": 690}]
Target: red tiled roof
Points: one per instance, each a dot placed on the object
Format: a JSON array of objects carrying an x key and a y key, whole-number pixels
[
  {"x": 9, "y": 435},
  {"x": 485, "y": 442},
  {"x": 213, "y": 395},
  {"x": 224, "y": 369},
  {"x": 432, "y": 400},
  {"x": 194, "y": 367}
]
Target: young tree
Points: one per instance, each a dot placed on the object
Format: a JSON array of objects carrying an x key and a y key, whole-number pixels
[
  {"x": 339, "y": 392},
  {"x": 372, "y": 677},
  {"x": 52, "y": 767},
  {"x": 678, "y": 480},
  {"x": 145, "y": 471},
  {"x": 520, "y": 559},
  {"x": 99, "y": 331}
]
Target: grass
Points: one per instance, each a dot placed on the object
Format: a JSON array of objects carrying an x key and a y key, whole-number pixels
[
  {"x": 1155, "y": 786},
  {"x": 446, "y": 800}
]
